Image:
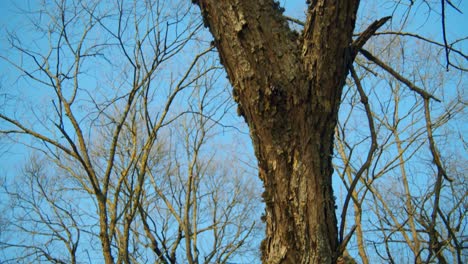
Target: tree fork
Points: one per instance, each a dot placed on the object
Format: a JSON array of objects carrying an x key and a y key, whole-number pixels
[{"x": 288, "y": 88}]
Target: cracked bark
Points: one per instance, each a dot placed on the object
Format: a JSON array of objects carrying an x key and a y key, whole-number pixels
[{"x": 288, "y": 88}]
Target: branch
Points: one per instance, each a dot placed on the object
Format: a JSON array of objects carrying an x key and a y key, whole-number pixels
[
  {"x": 344, "y": 241},
  {"x": 370, "y": 153},
  {"x": 32, "y": 133},
  {"x": 153, "y": 242},
  {"x": 450, "y": 47},
  {"x": 399, "y": 77},
  {"x": 432, "y": 145},
  {"x": 295, "y": 20},
  {"x": 453, "y": 6},
  {"x": 366, "y": 35},
  {"x": 452, "y": 235},
  {"x": 444, "y": 34}
]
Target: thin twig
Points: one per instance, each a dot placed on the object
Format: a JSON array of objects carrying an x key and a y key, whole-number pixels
[{"x": 444, "y": 34}]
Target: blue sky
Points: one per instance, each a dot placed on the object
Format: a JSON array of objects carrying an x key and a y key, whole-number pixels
[{"x": 425, "y": 23}]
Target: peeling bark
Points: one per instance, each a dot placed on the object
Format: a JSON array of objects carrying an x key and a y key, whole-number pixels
[{"x": 288, "y": 89}]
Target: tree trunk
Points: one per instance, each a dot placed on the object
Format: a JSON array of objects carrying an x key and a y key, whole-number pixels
[
  {"x": 103, "y": 230},
  {"x": 288, "y": 88}
]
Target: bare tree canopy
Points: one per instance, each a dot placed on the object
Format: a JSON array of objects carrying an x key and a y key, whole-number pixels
[
  {"x": 125, "y": 124},
  {"x": 122, "y": 108}
]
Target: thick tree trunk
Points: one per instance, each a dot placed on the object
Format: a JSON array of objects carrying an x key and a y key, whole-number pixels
[{"x": 288, "y": 88}]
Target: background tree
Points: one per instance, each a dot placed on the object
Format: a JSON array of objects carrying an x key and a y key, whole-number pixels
[
  {"x": 288, "y": 87},
  {"x": 395, "y": 183},
  {"x": 123, "y": 103}
]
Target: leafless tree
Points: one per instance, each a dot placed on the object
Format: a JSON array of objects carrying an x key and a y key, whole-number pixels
[
  {"x": 111, "y": 82},
  {"x": 41, "y": 207},
  {"x": 395, "y": 184}
]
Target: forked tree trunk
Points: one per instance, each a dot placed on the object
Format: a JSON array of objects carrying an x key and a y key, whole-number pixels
[{"x": 288, "y": 88}]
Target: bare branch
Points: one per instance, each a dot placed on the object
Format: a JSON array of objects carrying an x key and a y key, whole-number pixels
[
  {"x": 366, "y": 35},
  {"x": 402, "y": 79}
]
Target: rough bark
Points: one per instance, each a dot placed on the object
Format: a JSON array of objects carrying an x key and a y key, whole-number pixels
[{"x": 288, "y": 88}]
